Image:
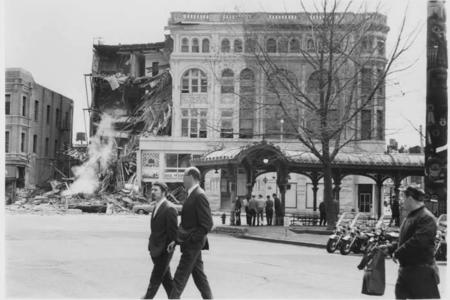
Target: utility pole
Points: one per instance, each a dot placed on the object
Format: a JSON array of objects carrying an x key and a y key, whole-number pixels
[{"x": 436, "y": 110}]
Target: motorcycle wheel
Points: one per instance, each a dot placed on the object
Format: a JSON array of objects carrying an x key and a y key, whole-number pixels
[
  {"x": 357, "y": 248},
  {"x": 345, "y": 248},
  {"x": 331, "y": 245}
]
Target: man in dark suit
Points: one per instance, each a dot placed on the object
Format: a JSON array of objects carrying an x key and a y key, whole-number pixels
[
  {"x": 163, "y": 226},
  {"x": 196, "y": 222}
]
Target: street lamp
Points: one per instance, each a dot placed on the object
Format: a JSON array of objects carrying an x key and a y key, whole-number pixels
[{"x": 281, "y": 130}]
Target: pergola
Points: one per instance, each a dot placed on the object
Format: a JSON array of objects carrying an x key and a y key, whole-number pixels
[{"x": 263, "y": 157}]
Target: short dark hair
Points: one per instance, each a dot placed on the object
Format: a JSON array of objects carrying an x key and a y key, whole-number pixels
[
  {"x": 274, "y": 194},
  {"x": 415, "y": 193},
  {"x": 194, "y": 172},
  {"x": 162, "y": 186}
]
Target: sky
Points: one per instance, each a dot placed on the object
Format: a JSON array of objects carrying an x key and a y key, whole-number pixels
[{"x": 53, "y": 40}]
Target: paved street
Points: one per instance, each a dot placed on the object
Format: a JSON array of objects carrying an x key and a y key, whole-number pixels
[{"x": 99, "y": 256}]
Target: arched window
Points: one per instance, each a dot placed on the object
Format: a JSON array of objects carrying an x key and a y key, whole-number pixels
[
  {"x": 237, "y": 46},
  {"x": 281, "y": 82},
  {"x": 225, "y": 46},
  {"x": 310, "y": 45},
  {"x": 282, "y": 45},
  {"x": 316, "y": 82},
  {"x": 205, "y": 46},
  {"x": 294, "y": 46},
  {"x": 271, "y": 46},
  {"x": 194, "y": 81},
  {"x": 250, "y": 45},
  {"x": 185, "y": 45},
  {"x": 195, "y": 46},
  {"x": 227, "y": 82},
  {"x": 246, "y": 103}
]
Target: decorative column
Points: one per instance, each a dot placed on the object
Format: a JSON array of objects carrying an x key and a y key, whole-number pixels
[
  {"x": 315, "y": 188},
  {"x": 437, "y": 106},
  {"x": 337, "y": 188},
  {"x": 379, "y": 187}
]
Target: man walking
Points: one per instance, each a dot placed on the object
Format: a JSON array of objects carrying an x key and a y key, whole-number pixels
[
  {"x": 269, "y": 210},
  {"x": 196, "y": 222},
  {"x": 278, "y": 215},
  {"x": 260, "y": 205},
  {"x": 418, "y": 275},
  {"x": 323, "y": 214},
  {"x": 163, "y": 226}
]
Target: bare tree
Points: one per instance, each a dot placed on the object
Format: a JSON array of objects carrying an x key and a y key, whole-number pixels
[{"x": 344, "y": 54}]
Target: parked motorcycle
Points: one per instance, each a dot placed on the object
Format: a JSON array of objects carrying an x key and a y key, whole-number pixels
[
  {"x": 440, "y": 249},
  {"x": 382, "y": 235},
  {"x": 357, "y": 238},
  {"x": 334, "y": 241}
]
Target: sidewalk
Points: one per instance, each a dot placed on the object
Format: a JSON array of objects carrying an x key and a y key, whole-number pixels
[{"x": 309, "y": 236}]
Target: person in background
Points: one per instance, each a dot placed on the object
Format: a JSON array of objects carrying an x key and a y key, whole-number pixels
[
  {"x": 395, "y": 208},
  {"x": 269, "y": 210},
  {"x": 252, "y": 210},
  {"x": 232, "y": 212},
  {"x": 237, "y": 211},
  {"x": 418, "y": 275},
  {"x": 260, "y": 206},
  {"x": 247, "y": 212},
  {"x": 323, "y": 214},
  {"x": 278, "y": 213}
]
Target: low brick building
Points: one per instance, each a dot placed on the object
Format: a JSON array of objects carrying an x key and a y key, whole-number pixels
[{"x": 38, "y": 126}]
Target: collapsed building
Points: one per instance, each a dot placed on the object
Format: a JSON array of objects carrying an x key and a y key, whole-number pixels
[{"x": 133, "y": 85}]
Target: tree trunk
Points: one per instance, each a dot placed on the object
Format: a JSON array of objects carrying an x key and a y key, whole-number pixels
[{"x": 330, "y": 206}]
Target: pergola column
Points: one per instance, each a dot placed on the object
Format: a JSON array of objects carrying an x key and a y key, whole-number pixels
[
  {"x": 379, "y": 194},
  {"x": 315, "y": 188},
  {"x": 337, "y": 188},
  {"x": 250, "y": 178}
]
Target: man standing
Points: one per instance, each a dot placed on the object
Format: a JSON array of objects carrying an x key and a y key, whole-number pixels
[
  {"x": 269, "y": 210},
  {"x": 238, "y": 206},
  {"x": 260, "y": 205},
  {"x": 247, "y": 212},
  {"x": 196, "y": 222},
  {"x": 323, "y": 214},
  {"x": 395, "y": 208},
  {"x": 278, "y": 215},
  {"x": 418, "y": 275},
  {"x": 252, "y": 210},
  {"x": 163, "y": 226}
]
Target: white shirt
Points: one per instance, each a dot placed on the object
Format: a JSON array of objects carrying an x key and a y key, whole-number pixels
[
  {"x": 158, "y": 205},
  {"x": 192, "y": 189}
]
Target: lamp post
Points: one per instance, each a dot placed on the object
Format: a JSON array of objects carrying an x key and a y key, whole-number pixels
[{"x": 281, "y": 130}]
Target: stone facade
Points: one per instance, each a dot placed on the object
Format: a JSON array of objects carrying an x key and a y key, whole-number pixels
[
  {"x": 38, "y": 125},
  {"x": 213, "y": 72}
]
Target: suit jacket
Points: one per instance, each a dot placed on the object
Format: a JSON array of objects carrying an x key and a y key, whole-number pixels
[
  {"x": 196, "y": 221},
  {"x": 163, "y": 228}
]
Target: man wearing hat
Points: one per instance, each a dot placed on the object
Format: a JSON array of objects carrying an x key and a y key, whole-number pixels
[
  {"x": 418, "y": 275},
  {"x": 163, "y": 227}
]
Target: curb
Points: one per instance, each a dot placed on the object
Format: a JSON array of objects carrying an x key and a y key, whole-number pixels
[{"x": 304, "y": 244}]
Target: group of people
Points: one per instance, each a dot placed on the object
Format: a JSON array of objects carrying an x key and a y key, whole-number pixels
[{"x": 255, "y": 208}]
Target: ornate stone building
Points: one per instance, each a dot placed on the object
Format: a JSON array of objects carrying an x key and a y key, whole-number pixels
[{"x": 220, "y": 100}]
